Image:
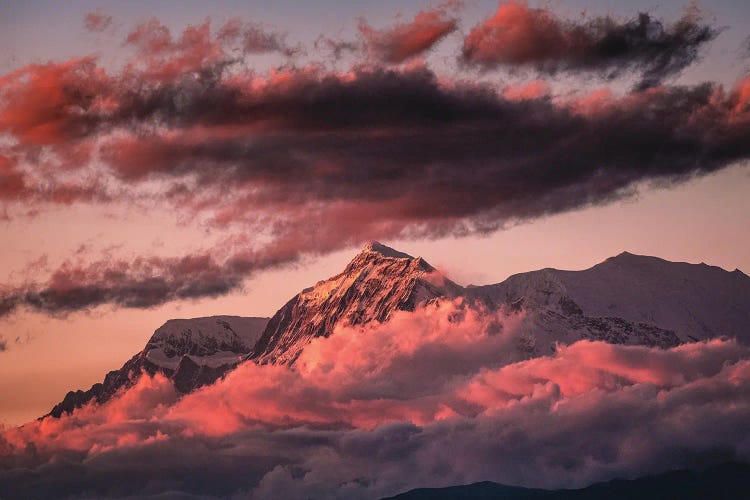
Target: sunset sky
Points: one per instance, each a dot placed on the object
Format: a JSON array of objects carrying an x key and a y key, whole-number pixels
[{"x": 134, "y": 188}]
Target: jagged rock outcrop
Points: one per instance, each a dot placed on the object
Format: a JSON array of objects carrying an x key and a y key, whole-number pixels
[{"x": 376, "y": 283}]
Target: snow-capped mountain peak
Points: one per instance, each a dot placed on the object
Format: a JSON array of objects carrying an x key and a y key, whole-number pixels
[
  {"x": 377, "y": 282},
  {"x": 683, "y": 302},
  {"x": 373, "y": 246}
]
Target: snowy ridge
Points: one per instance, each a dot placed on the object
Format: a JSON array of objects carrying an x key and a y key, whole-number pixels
[
  {"x": 211, "y": 341},
  {"x": 694, "y": 301},
  {"x": 191, "y": 352}
]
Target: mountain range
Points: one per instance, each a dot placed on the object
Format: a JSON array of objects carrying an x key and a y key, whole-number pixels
[
  {"x": 627, "y": 299},
  {"x": 722, "y": 481}
]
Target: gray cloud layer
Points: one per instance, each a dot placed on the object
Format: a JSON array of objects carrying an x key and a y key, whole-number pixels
[{"x": 316, "y": 160}]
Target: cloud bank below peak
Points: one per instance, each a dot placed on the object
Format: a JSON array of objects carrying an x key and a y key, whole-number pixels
[{"x": 363, "y": 414}]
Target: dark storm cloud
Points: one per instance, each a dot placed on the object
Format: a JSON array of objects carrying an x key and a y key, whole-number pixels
[
  {"x": 319, "y": 160},
  {"x": 401, "y": 138},
  {"x": 142, "y": 282},
  {"x": 517, "y": 35}
]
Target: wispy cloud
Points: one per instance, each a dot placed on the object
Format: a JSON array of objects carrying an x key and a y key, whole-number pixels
[{"x": 97, "y": 21}]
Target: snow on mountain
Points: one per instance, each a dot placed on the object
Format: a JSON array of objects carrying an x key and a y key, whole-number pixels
[
  {"x": 627, "y": 299},
  {"x": 191, "y": 352},
  {"x": 211, "y": 341},
  {"x": 379, "y": 281},
  {"x": 658, "y": 302}
]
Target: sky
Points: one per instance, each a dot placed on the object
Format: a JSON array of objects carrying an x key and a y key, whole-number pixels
[{"x": 180, "y": 159}]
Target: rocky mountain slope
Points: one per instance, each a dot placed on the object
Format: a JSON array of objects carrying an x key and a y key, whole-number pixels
[
  {"x": 376, "y": 283},
  {"x": 191, "y": 352}
]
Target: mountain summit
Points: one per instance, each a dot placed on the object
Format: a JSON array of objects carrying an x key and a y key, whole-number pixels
[
  {"x": 695, "y": 301},
  {"x": 377, "y": 282},
  {"x": 376, "y": 247}
]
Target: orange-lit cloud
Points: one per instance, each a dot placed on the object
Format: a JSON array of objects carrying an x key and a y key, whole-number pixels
[
  {"x": 409, "y": 39},
  {"x": 373, "y": 406},
  {"x": 519, "y": 35},
  {"x": 52, "y": 103},
  {"x": 526, "y": 91}
]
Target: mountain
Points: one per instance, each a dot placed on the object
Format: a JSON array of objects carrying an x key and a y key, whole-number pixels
[
  {"x": 379, "y": 281},
  {"x": 627, "y": 299},
  {"x": 727, "y": 481},
  {"x": 191, "y": 352}
]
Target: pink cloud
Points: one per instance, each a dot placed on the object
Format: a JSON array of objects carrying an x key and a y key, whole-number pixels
[
  {"x": 11, "y": 180},
  {"x": 409, "y": 39},
  {"x": 162, "y": 58},
  {"x": 516, "y": 34},
  {"x": 532, "y": 90},
  {"x": 52, "y": 103},
  {"x": 378, "y": 403},
  {"x": 97, "y": 21}
]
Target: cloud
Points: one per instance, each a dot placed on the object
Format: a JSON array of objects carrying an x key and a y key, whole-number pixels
[
  {"x": 256, "y": 39},
  {"x": 369, "y": 412},
  {"x": 371, "y": 152},
  {"x": 52, "y": 103},
  {"x": 140, "y": 283},
  {"x": 335, "y": 46},
  {"x": 535, "y": 89},
  {"x": 11, "y": 180},
  {"x": 406, "y": 40},
  {"x": 160, "y": 58},
  {"x": 97, "y": 21},
  {"x": 517, "y": 36}
]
